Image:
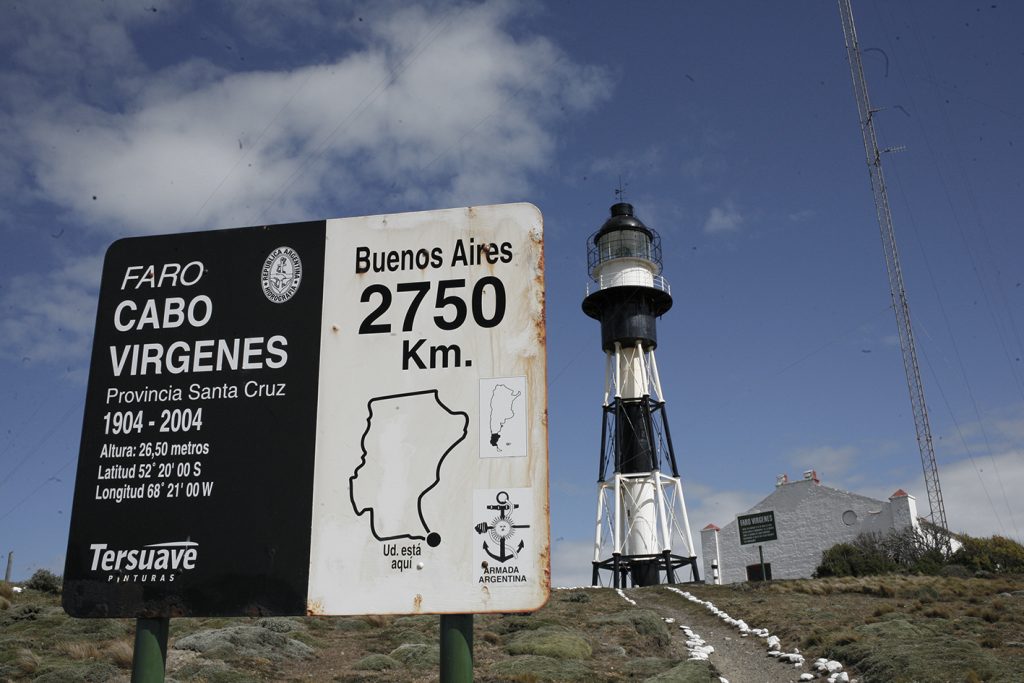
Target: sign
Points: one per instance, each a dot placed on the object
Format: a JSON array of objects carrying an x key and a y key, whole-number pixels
[
  {"x": 336, "y": 417},
  {"x": 758, "y": 527}
]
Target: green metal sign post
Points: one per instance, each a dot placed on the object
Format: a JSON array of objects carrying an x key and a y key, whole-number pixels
[
  {"x": 150, "y": 659},
  {"x": 456, "y": 648}
]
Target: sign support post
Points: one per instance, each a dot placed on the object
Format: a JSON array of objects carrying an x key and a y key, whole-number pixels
[
  {"x": 150, "y": 659},
  {"x": 456, "y": 648},
  {"x": 760, "y": 553}
]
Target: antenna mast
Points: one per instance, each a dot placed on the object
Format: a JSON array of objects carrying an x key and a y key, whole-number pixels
[{"x": 892, "y": 267}]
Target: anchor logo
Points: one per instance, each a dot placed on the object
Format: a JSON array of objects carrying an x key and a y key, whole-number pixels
[{"x": 502, "y": 529}]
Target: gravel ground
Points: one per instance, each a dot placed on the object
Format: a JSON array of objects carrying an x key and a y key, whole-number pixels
[{"x": 739, "y": 659}]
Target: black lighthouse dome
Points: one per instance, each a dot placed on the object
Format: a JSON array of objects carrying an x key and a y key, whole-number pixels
[{"x": 627, "y": 292}]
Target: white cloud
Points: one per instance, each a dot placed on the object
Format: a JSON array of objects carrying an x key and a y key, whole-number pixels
[
  {"x": 409, "y": 110},
  {"x": 428, "y": 108},
  {"x": 830, "y": 461},
  {"x": 981, "y": 497},
  {"x": 51, "y": 317},
  {"x": 571, "y": 562},
  {"x": 722, "y": 219}
]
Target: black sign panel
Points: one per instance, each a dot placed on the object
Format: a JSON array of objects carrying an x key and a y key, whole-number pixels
[
  {"x": 196, "y": 464},
  {"x": 758, "y": 527}
]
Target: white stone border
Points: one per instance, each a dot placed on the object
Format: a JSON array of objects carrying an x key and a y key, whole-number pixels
[{"x": 833, "y": 668}]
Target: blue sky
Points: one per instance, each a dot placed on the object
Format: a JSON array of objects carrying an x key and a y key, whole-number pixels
[{"x": 731, "y": 125}]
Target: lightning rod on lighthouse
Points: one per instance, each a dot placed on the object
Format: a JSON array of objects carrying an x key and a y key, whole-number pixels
[{"x": 642, "y": 530}]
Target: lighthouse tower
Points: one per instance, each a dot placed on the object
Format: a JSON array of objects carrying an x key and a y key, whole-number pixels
[{"x": 642, "y": 529}]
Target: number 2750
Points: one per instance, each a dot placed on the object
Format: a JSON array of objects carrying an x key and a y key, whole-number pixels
[{"x": 451, "y": 308}]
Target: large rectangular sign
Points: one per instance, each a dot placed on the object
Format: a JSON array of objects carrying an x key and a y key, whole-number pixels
[
  {"x": 336, "y": 417},
  {"x": 757, "y": 527}
]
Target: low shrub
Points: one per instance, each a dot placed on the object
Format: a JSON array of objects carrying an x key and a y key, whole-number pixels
[
  {"x": 996, "y": 554},
  {"x": 921, "y": 552},
  {"x": 558, "y": 643},
  {"x": 44, "y": 581},
  {"x": 848, "y": 559},
  {"x": 376, "y": 662}
]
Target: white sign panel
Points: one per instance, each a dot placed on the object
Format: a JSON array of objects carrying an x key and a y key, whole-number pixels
[{"x": 430, "y": 487}]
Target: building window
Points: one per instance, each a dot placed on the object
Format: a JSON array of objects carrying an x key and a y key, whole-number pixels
[
  {"x": 754, "y": 572},
  {"x": 849, "y": 518}
]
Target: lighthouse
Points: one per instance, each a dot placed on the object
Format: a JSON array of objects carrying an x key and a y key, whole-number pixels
[{"x": 642, "y": 533}]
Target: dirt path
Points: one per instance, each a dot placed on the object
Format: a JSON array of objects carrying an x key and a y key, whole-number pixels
[{"x": 739, "y": 659}]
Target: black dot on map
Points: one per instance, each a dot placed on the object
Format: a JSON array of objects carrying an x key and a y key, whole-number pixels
[{"x": 433, "y": 539}]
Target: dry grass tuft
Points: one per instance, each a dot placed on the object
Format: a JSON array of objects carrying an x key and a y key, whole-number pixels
[
  {"x": 377, "y": 620},
  {"x": 991, "y": 641},
  {"x": 6, "y": 590},
  {"x": 26, "y": 661},
  {"x": 4, "y": 603},
  {"x": 79, "y": 649},
  {"x": 883, "y": 609},
  {"x": 120, "y": 652},
  {"x": 991, "y": 616},
  {"x": 491, "y": 637}
]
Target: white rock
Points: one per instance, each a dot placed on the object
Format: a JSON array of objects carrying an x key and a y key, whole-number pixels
[
  {"x": 806, "y": 677},
  {"x": 773, "y": 641},
  {"x": 833, "y": 666}
]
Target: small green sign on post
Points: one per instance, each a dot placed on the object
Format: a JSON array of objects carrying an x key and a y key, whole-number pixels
[{"x": 757, "y": 527}]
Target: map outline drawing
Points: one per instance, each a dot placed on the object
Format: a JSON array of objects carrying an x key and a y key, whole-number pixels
[
  {"x": 504, "y": 406},
  {"x": 432, "y": 538},
  {"x": 496, "y": 432}
]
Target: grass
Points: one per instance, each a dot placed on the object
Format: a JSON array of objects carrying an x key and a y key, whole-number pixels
[
  {"x": 893, "y": 628},
  {"x": 898, "y": 628}
]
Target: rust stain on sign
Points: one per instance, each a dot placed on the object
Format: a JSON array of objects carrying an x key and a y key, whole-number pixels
[
  {"x": 314, "y": 608},
  {"x": 537, "y": 238},
  {"x": 417, "y": 603}
]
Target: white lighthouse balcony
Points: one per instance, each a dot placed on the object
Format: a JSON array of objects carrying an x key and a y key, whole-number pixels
[{"x": 630, "y": 277}]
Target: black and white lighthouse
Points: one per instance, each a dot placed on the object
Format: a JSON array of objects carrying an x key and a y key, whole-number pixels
[{"x": 642, "y": 528}]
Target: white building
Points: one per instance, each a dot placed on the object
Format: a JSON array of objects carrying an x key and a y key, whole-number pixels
[{"x": 809, "y": 518}]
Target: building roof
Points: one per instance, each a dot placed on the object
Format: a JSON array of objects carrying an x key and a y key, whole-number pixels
[
  {"x": 711, "y": 527},
  {"x": 900, "y": 493}
]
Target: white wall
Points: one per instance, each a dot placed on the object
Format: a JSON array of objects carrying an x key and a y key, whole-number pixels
[{"x": 809, "y": 519}]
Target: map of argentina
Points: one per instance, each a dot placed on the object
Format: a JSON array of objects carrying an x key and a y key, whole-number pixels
[
  {"x": 503, "y": 417},
  {"x": 407, "y": 438}
]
